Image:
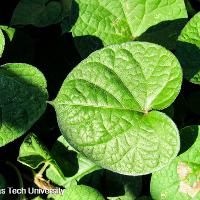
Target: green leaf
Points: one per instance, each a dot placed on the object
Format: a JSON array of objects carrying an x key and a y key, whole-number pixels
[
  {"x": 73, "y": 165},
  {"x": 23, "y": 97},
  {"x": 188, "y": 50},
  {"x": 80, "y": 192},
  {"x": 117, "y": 21},
  {"x": 180, "y": 180},
  {"x": 104, "y": 107},
  {"x": 40, "y": 13},
  {"x": 121, "y": 187},
  {"x": 33, "y": 153},
  {"x": 2, "y": 43},
  {"x": 9, "y": 31}
]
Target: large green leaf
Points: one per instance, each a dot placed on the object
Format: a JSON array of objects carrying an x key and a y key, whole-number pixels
[
  {"x": 104, "y": 107},
  {"x": 116, "y": 21},
  {"x": 180, "y": 180},
  {"x": 33, "y": 153},
  {"x": 188, "y": 49},
  {"x": 79, "y": 192},
  {"x": 74, "y": 165},
  {"x": 2, "y": 43},
  {"x": 23, "y": 97},
  {"x": 39, "y": 13}
]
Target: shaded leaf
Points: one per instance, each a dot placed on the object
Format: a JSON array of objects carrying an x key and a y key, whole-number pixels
[
  {"x": 23, "y": 97},
  {"x": 40, "y": 13}
]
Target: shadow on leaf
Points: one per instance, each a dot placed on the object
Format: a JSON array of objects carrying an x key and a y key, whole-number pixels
[
  {"x": 188, "y": 55},
  {"x": 23, "y": 97},
  {"x": 165, "y": 33},
  {"x": 188, "y": 137}
]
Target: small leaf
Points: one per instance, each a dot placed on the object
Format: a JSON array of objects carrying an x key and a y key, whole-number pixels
[
  {"x": 104, "y": 107},
  {"x": 40, "y": 13},
  {"x": 180, "y": 180},
  {"x": 2, "y": 43},
  {"x": 121, "y": 21},
  {"x": 33, "y": 153},
  {"x": 73, "y": 165},
  {"x": 23, "y": 97},
  {"x": 188, "y": 50},
  {"x": 80, "y": 192}
]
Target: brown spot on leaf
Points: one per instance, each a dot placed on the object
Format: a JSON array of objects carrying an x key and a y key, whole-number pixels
[
  {"x": 190, "y": 190},
  {"x": 183, "y": 170}
]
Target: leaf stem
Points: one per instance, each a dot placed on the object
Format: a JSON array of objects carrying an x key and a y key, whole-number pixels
[{"x": 40, "y": 173}]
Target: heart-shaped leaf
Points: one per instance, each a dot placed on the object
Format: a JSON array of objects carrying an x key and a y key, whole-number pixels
[
  {"x": 40, "y": 13},
  {"x": 188, "y": 49},
  {"x": 23, "y": 97},
  {"x": 180, "y": 180},
  {"x": 81, "y": 192},
  {"x": 104, "y": 107},
  {"x": 117, "y": 21},
  {"x": 2, "y": 43}
]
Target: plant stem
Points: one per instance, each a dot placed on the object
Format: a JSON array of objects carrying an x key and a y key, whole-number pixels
[{"x": 40, "y": 173}]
